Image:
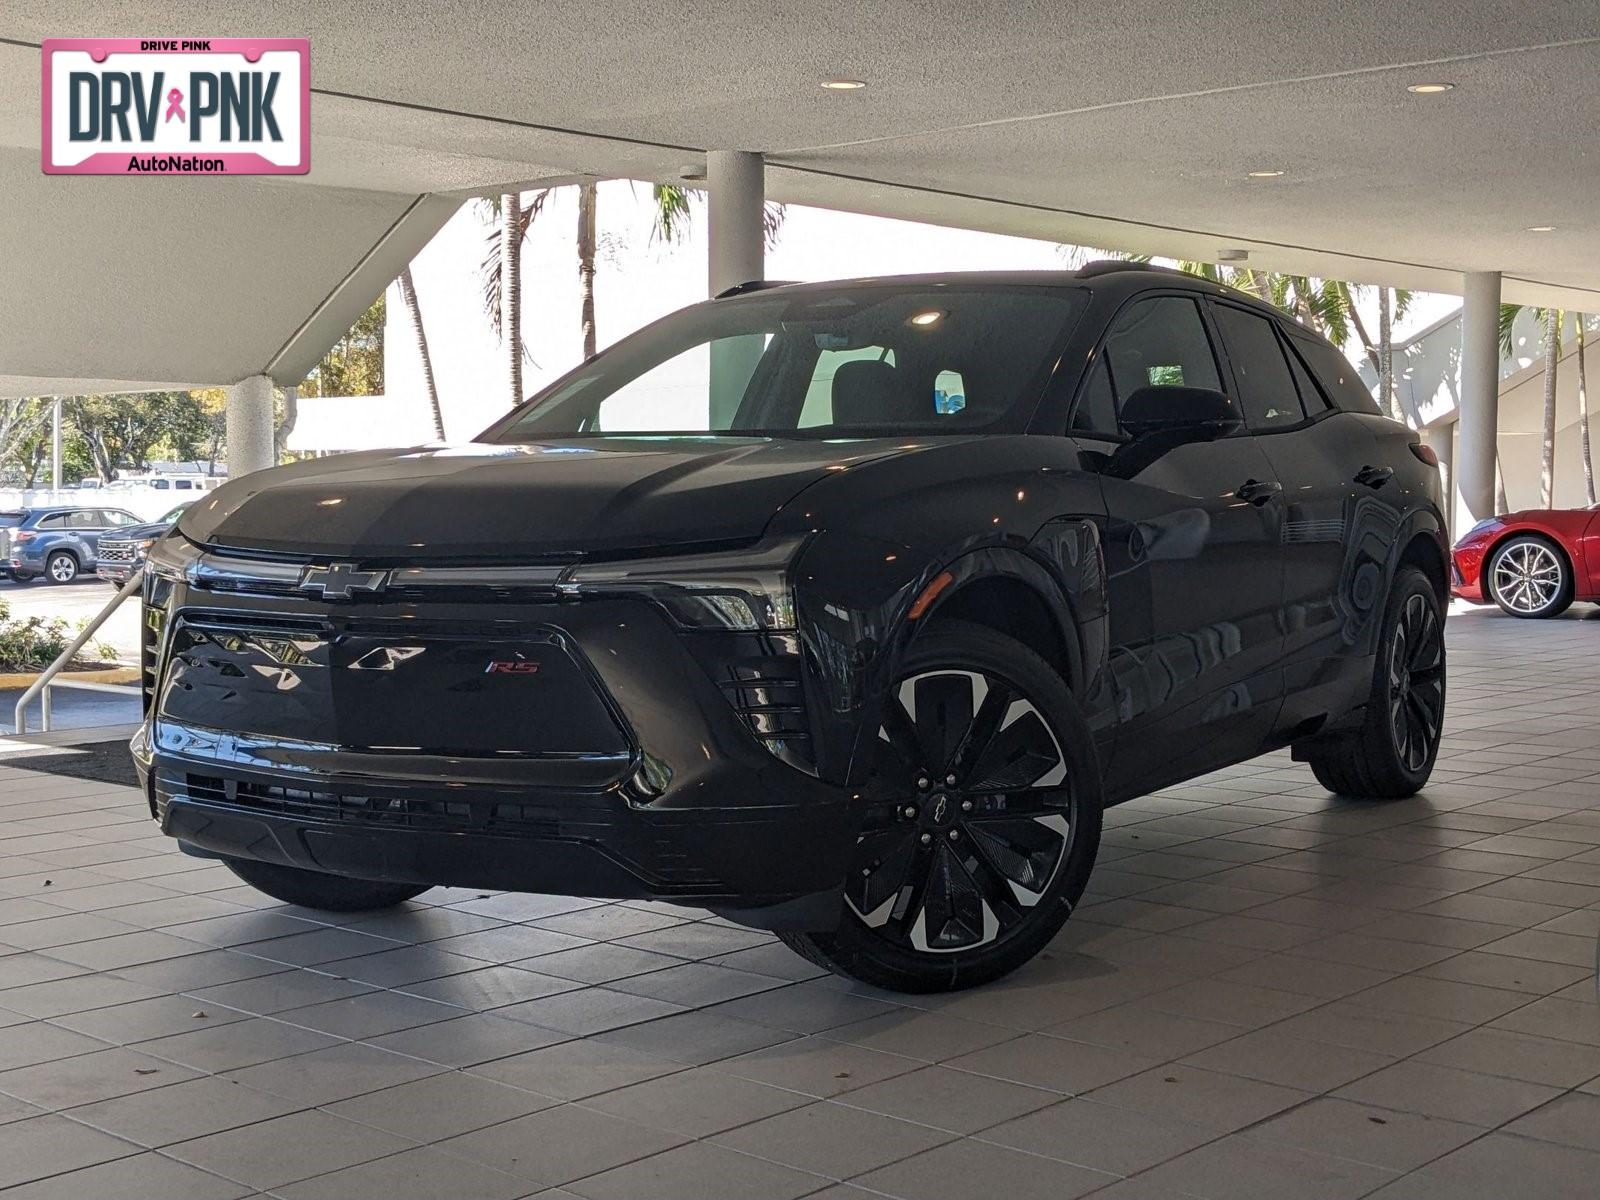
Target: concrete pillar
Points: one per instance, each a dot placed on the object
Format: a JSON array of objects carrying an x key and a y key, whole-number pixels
[
  {"x": 736, "y": 195},
  {"x": 55, "y": 443},
  {"x": 1479, "y": 419},
  {"x": 249, "y": 420}
]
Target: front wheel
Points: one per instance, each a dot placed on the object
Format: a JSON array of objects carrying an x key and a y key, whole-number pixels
[
  {"x": 1392, "y": 755},
  {"x": 315, "y": 889},
  {"x": 982, "y": 824},
  {"x": 61, "y": 567},
  {"x": 1528, "y": 577}
]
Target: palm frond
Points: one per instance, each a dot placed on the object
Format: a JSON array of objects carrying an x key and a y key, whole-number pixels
[
  {"x": 772, "y": 216},
  {"x": 1507, "y": 324},
  {"x": 673, "y": 214}
]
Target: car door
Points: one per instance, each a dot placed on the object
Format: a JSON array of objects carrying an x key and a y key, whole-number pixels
[
  {"x": 87, "y": 525},
  {"x": 1339, "y": 525},
  {"x": 1194, "y": 571}
]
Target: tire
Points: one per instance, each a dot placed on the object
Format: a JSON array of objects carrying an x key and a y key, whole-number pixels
[
  {"x": 314, "y": 889},
  {"x": 1391, "y": 756},
  {"x": 1024, "y": 807},
  {"x": 1529, "y": 577},
  {"x": 61, "y": 567}
]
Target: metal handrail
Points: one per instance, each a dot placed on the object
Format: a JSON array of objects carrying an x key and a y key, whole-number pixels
[{"x": 41, "y": 686}]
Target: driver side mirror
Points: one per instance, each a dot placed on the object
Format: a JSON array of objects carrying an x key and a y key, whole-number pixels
[{"x": 1181, "y": 413}]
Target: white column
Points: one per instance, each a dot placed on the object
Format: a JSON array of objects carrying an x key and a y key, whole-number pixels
[
  {"x": 1442, "y": 438},
  {"x": 1480, "y": 398},
  {"x": 249, "y": 419},
  {"x": 736, "y": 193},
  {"x": 55, "y": 443}
]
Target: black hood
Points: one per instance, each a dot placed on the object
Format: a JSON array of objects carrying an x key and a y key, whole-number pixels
[
  {"x": 550, "y": 498},
  {"x": 136, "y": 533}
]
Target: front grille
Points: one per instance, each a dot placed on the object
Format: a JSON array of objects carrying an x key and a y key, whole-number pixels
[
  {"x": 115, "y": 552},
  {"x": 458, "y": 816}
]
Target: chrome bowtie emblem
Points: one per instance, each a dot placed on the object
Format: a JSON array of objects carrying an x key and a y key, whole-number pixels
[{"x": 341, "y": 581}]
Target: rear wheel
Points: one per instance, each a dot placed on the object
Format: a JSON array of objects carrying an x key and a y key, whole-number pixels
[
  {"x": 982, "y": 824},
  {"x": 1528, "y": 577},
  {"x": 1392, "y": 755},
  {"x": 61, "y": 567},
  {"x": 314, "y": 889}
]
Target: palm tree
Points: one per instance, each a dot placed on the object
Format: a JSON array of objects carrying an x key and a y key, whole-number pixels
[
  {"x": 1554, "y": 321},
  {"x": 586, "y": 250},
  {"x": 1583, "y": 417},
  {"x": 511, "y": 289},
  {"x": 408, "y": 293}
]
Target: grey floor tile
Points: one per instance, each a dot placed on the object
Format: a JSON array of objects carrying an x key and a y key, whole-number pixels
[
  {"x": 577, "y": 1069},
  {"x": 286, "y": 1149},
  {"x": 696, "y": 1103},
  {"x": 967, "y": 1168},
  {"x": 930, "y": 1036},
  {"x": 134, "y": 1178},
  {"x": 87, "y": 1078},
  {"x": 238, "y": 1044},
  {"x": 1222, "y": 1102},
  {"x": 952, "y": 1100},
  {"x": 805, "y": 1008},
  {"x": 1057, "y": 1064},
  {"x": 143, "y": 1020},
  {"x": 38, "y": 1147},
  {"x": 1381, "y": 1137},
  {"x": 1275, "y": 1057},
  {"x": 1500, "y": 1165},
  {"x": 557, "y": 1145},
  {"x": 696, "y": 1037},
  {"x": 1146, "y": 1031},
  {"x": 468, "y": 1041},
  {"x": 817, "y": 1067},
  {"x": 333, "y": 1073},
  {"x": 1121, "y": 1141},
  {"x": 281, "y": 990},
  {"x": 440, "y": 1106},
  {"x": 1517, "y": 1056},
  {"x": 183, "y": 1111},
  {"x": 420, "y": 1174},
  {"x": 588, "y": 1011},
  {"x": 1243, "y": 1168},
  {"x": 485, "y": 988},
  {"x": 1455, "y": 1095},
  {"x": 1572, "y": 1120},
  {"x": 830, "y": 1139},
  {"x": 698, "y": 1171}
]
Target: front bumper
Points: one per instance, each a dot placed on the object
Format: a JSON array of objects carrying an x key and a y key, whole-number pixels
[
  {"x": 1466, "y": 574},
  {"x": 118, "y": 573},
  {"x": 285, "y": 762}
]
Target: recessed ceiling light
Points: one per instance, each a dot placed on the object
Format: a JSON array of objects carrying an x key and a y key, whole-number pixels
[
  {"x": 1265, "y": 174},
  {"x": 844, "y": 85},
  {"x": 927, "y": 318},
  {"x": 1429, "y": 89},
  {"x": 1541, "y": 229}
]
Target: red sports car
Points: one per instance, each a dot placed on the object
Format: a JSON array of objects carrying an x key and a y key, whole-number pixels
[{"x": 1533, "y": 563}]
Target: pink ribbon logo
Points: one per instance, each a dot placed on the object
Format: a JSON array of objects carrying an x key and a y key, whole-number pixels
[{"x": 175, "y": 105}]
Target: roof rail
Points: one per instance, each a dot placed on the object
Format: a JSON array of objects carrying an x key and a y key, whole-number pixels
[
  {"x": 753, "y": 285},
  {"x": 1109, "y": 266}
]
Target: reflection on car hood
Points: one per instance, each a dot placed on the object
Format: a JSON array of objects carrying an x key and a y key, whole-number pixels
[
  {"x": 549, "y": 498},
  {"x": 136, "y": 533}
]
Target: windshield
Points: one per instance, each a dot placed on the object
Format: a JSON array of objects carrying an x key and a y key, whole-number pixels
[
  {"x": 851, "y": 361},
  {"x": 171, "y": 515}
]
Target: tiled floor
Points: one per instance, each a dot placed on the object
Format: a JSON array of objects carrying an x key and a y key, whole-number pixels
[{"x": 1271, "y": 993}]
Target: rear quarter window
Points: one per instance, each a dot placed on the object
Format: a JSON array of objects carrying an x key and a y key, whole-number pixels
[{"x": 1336, "y": 375}]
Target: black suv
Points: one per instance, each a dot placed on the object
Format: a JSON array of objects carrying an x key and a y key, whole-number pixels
[{"x": 839, "y": 609}]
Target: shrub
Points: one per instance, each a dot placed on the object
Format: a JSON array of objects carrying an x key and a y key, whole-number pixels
[{"x": 33, "y": 643}]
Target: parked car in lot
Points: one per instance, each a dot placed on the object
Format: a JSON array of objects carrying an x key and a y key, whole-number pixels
[
  {"x": 1532, "y": 564},
  {"x": 56, "y": 544},
  {"x": 839, "y": 609},
  {"x": 123, "y": 551}
]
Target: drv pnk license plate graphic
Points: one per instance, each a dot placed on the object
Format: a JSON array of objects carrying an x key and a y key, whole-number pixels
[{"x": 169, "y": 106}]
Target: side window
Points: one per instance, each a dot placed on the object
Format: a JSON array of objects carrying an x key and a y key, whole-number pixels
[
  {"x": 53, "y": 521},
  {"x": 1160, "y": 342},
  {"x": 1336, "y": 374},
  {"x": 117, "y": 517},
  {"x": 1266, "y": 386},
  {"x": 1097, "y": 406},
  {"x": 183, "y": 485},
  {"x": 86, "y": 518},
  {"x": 1311, "y": 397},
  {"x": 160, "y": 485}
]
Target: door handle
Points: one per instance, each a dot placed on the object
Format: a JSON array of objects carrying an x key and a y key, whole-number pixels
[
  {"x": 1374, "y": 477},
  {"x": 1258, "y": 491}
]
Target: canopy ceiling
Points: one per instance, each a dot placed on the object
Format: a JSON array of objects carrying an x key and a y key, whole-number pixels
[{"x": 1131, "y": 125}]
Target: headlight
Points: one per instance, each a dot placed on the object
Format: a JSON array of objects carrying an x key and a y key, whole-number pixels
[
  {"x": 141, "y": 548},
  {"x": 172, "y": 557},
  {"x": 749, "y": 589},
  {"x": 1486, "y": 523}
]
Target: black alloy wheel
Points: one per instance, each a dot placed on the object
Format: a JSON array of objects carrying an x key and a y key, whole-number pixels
[
  {"x": 1391, "y": 754},
  {"x": 983, "y": 820},
  {"x": 1416, "y": 683}
]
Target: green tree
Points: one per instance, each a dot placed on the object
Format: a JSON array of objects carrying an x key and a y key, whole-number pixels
[
  {"x": 353, "y": 366},
  {"x": 1552, "y": 324}
]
